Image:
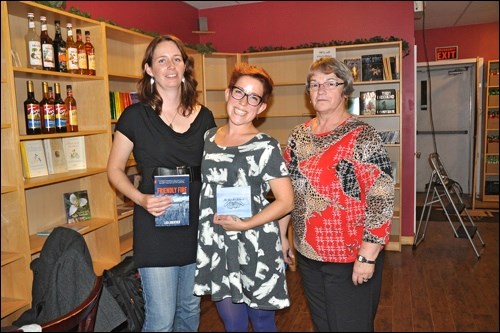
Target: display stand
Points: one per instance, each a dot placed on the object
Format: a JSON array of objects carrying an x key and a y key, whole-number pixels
[{"x": 448, "y": 193}]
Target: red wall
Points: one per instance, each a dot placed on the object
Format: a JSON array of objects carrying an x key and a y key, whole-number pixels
[
  {"x": 172, "y": 17},
  {"x": 473, "y": 41},
  {"x": 291, "y": 23}
]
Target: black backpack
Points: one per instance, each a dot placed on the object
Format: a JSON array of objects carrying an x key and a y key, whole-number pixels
[{"x": 124, "y": 283}]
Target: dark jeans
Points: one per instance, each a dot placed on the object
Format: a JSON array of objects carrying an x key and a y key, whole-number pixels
[{"x": 335, "y": 303}]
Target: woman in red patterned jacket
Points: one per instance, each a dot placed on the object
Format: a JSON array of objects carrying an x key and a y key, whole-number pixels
[{"x": 344, "y": 200}]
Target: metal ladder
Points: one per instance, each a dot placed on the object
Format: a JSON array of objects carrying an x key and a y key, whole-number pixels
[{"x": 448, "y": 193}]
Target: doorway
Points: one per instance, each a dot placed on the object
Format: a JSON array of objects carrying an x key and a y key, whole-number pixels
[{"x": 452, "y": 91}]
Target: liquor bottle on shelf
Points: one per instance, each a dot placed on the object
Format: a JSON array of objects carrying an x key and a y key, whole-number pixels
[
  {"x": 89, "y": 49},
  {"x": 71, "y": 109},
  {"x": 48, "y": 63},
  {"x": 60, "y": 108},
  {"x": 33, "y": 44},
  {"x": 47, "y": 111},
  {"x": 82, "y": 54},
  {"x": 71, "y": 51},
  {"x": 51, "y": 95},
  {"x": 32, "y": 111},
  {"x": 59, "y": 49}
]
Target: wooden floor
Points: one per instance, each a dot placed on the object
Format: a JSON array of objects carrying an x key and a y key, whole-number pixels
[{"x": 440, "y": 286}]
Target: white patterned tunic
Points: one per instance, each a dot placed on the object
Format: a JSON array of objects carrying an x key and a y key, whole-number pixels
[{"x": 248, "y": 265}]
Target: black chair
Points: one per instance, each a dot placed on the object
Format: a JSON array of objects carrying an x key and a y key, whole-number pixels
[{"x": 82, "y": 318}]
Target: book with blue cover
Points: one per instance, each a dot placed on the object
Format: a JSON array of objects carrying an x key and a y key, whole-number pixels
[{"x": 177, "y": 187}]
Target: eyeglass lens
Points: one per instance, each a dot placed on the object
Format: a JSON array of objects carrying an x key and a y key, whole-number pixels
[
  {"x": 252, "y": 99},
  {"x": 331, "y": 84}
]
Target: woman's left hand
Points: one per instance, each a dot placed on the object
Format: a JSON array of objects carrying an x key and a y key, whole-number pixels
[
  {"x": 229, "y": 222},
  {"x": 362, "y": 272}
]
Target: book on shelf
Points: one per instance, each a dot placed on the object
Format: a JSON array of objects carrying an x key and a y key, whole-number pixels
[
  {"x": 119, "y": 101},
  {"x": 367, "y": 102},
  {"x": 353, "y": 105},
  {"x": 177, "y": 187},
  {"x": 125, "y": 208},
  {"x": 236, "y": 200},
  {"x": 354, "y": 65},
  {"x": 54, "y": 153},
  {"x": 387, "y": 69},
  {"x": 386, "y": 101},
  {"x": 372, "y": 67},
  {"x": 33, "y": 156},
  {"x": 77, "y": 206},
  {"x": 75, "y": 226},
  {"x": 394, "y": 67},
  {"x": 389, "y": 137},
  {"x": 394, "y": 169},
  {"x": 74, "y": 151},
  {"x": 134, "y": 97}
]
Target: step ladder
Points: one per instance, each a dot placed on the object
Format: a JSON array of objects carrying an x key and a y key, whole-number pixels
[{"x": 448, "y": 193}]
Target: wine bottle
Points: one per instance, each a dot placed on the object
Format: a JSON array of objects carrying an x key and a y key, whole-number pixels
[
  {"x": 82, "y": 54},
  {"x": 70, "y": 103},
  {"x": 89, "y": 49},
  {"x": 32, "y": 111},
  {"x": 33, "y": 44},
  {"x": 47, "y": 47},
  {"x": 47, "y": 111},
  {"x": 71, "y": 51},
  {"x": 60, "y": 108},
  {"x": 59, "y": 49}
]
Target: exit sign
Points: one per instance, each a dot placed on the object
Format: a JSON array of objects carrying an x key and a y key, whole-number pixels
[{"x": 446, "y": 53}]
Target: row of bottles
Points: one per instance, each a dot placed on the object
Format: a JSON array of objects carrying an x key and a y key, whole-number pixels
[
  {"x": 52, "y": 114},
  {"x": 59, "y": 55}
]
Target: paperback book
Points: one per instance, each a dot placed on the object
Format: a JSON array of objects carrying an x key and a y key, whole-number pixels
[
  {"x": 177, "y": 187},
  {"x": 353, "y": 105},
  {"x": 76, "y": 227},
  {"x": 372, "y": 67},
  {"x": 354, "y": 65},
  {"x": 33, "y": 156},
  {"x": 386, "y": 101},
  {"x": 54, "y": 152},
  {"x": 367, "y": 103},
  {"x": 234, "y": 201},
  {"x": 394, "y": 167},
  {"x": 77, "y": 206},
  {"x": 74, "y": 151}
]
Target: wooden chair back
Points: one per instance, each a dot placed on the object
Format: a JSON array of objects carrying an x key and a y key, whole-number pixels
[{"x": 82, "y": 318}]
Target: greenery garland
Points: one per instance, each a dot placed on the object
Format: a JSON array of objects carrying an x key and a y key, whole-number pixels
[
  {"x": 376, "y": 39},
  {"x": 208, "y": 48}
]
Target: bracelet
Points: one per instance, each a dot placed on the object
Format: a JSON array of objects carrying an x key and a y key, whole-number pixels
[{"x": 362, "y": 259}]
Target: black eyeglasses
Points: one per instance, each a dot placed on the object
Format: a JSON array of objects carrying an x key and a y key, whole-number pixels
[
  {"x": 252, "y": 99},
  {"x": 328, "y": 85}
]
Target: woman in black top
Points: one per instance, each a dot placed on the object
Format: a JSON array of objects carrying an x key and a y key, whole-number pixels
[{"x": 165, "y": 130}]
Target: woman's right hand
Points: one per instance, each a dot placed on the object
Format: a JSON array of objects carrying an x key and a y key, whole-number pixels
[{"x": 156, "y": 206}]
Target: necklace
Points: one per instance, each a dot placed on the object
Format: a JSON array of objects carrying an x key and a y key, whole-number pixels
[{"x": 170, "y": 125}]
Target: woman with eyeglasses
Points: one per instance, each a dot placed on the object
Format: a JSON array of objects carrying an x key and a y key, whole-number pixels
[
  {"x": 344, "y": 199},
  {"x": 241, "y": 244}
]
